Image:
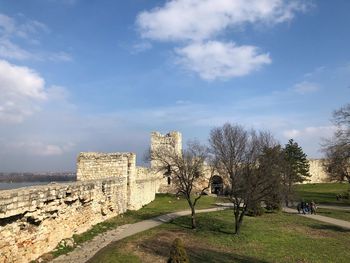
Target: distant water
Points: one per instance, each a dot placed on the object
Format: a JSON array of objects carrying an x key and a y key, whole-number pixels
[{"x": 6, "y": 186}]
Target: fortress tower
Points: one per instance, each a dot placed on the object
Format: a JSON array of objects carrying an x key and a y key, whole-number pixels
[{"x": 172, "y": 140}]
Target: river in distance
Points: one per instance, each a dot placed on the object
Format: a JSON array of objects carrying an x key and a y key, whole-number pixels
[{"x": 15, "y": 185}]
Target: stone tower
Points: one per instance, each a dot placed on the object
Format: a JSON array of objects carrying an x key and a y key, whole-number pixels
[{"x": 172, "y": 139}]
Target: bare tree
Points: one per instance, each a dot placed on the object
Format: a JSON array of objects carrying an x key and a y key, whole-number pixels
[
  {"x": 337, "y": 149},
  {"x": 238, "y": 152},
  {"x": 190, "y": 171}
]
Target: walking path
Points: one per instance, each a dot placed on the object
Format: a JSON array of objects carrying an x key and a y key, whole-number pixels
[
  {"x": 83, "y": 253},
  {"x": 325, "y": 219},
  {"x": 335, "y": 207}
]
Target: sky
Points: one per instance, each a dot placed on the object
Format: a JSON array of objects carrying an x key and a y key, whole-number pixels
[{"x": 79, "y": 75}]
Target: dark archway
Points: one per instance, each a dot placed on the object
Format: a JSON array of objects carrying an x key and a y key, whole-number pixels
[
  {"x": 217, "y": 185},
  {"x": 167, "y": 175}
]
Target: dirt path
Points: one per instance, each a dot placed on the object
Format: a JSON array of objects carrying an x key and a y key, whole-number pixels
[
  {"x": 83, "y": 253},
  {"x": 325, "y": 219}
]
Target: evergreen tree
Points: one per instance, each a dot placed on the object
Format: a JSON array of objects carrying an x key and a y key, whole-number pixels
[
  {"x": 178, "y": 253},
  {"x": 296, "y": 168}
]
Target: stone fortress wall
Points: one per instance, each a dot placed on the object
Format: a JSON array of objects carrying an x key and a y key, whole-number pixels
[
  {"x": 33, "y": 220},
  {"x": 318, "y": 174},
  {"x": 174, "y": 139}
]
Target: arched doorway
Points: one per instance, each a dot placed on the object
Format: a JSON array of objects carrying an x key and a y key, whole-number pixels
[
  {"x": 217, "y": 185},
  {"x": 167, "y": 175}
]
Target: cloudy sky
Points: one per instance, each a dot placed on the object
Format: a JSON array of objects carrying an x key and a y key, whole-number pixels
[{"x": 79, "y": 75}]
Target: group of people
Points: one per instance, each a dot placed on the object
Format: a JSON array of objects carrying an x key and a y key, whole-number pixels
[{"x": 307, "y": 208}]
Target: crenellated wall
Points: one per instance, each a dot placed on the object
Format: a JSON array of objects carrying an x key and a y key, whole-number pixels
[{"x": 33, "y": 220}]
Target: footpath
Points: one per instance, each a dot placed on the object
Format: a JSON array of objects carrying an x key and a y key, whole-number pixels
[
  {"x": 337, "y": 222},
  {"x": 87, "y": 250},
  {"x": 335, "y": 207}
]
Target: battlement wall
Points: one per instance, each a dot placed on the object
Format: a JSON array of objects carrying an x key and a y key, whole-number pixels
[
  {"x": 33, "y": 220},
  {"x": 96, "y": 166}
]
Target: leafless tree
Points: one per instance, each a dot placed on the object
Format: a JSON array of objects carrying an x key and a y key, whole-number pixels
[
  {"x": 191, "y": 171},
  {"x": 337, "y": 149},
  {"x": 238, "y": 152}
]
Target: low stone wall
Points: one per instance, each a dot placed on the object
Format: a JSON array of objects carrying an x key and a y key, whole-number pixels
[{"x": 34, "y": 220}]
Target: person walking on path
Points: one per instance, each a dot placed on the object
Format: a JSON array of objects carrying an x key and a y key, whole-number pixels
[{"x": 313, "y": 207}]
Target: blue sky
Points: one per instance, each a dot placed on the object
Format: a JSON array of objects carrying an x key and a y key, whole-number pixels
[{"x": 81, "y": 75}]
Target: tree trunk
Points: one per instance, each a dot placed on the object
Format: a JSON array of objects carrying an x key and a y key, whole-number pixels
[
  {"x": 238, "y": 220},
  {"x": 286, "y": 200},
  {"x": 193, "y": 218}
]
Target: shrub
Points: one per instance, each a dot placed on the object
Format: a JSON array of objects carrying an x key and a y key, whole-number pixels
[
  {"x": 256, "y": 210},
  {"x": 178, "y": 253}
]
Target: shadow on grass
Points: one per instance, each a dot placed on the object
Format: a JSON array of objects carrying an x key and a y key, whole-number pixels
[
  {"x": 324, "y": 213},
  {"x": 209, "y": 255},
  {"x": 209, "y": 224},
  {"x": 198, "y": 255},
  {"x": 330, "y": 227}
]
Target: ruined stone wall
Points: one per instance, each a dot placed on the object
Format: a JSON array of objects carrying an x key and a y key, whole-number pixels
[
  {"x": 318, "y": 174},
  {"x": 34, "y": 220},
  {"x": 147, "y": 184},
  {"x": 95, "y": 166}
]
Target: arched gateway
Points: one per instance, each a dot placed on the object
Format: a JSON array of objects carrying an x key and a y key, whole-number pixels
[{"x": 217, "y": 185}]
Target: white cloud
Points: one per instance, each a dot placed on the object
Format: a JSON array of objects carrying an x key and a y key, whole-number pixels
[
  {"x": 291, "y": 133},
  {"x": 311, "y": 132},
  {"x": 306, "y": 87},
  {"x": 38, "y": 148},
  {"x": 180, "y": 20},
  {"x": 197, "y": 23},
  {"x": 29, "y": 31},
  {"x": 7, "y": 24},
  {"x": 10, "y": 27},
  {"x": 10, "y": 50},
  {"x": 215, "y": 59},
  {"x": 21, "y": 88}
]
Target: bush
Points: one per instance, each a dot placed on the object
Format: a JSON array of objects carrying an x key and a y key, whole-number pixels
[
  {"x": 256, "y": 210},
  {"x": 178, "y": 253},
  {"x": 271, "y": 207}
]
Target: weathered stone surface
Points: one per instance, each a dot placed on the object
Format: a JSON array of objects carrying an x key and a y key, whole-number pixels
[{"x": 35, "y": 219}]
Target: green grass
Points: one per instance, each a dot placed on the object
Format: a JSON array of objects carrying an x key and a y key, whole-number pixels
[
  {"x": 270, "y": 238},
  {"x": 324, "y": 193},
  {"x": 338, "y": 214},
  {"x": 163, "y": 204}
]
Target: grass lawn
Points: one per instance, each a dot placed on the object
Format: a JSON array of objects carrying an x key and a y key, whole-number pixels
[
  {"x": 270, "y": 238},
  {"x": 163, "y": 204},
  {"x": 323, "y": 193},
  {"x": 338, "y": 214}
]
